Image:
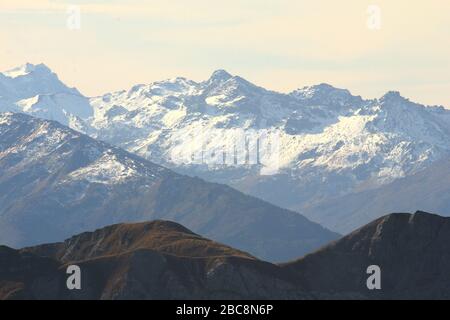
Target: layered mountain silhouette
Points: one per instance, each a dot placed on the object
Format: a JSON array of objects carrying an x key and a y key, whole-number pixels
[
  {"x": 164, "y": 260},
  {"x": 342, "y": 161},
  {"x": 331, "y": 143},
  {"x": 56, "y": 182},
  {"x": 155, "y": 260},
  {"x": 428, "y": 190}
]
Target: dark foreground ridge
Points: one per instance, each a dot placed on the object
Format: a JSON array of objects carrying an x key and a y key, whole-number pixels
[
  {"x": 154, "y": 260},
  {"x": 164, "y": 260},
  {"x": 412, "y": 251}
]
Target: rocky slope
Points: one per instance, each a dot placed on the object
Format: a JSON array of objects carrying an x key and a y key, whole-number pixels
[
  {"x": 156, "y": 260},
  {"x": 56, "y": 182},
  {"x": 412, "y": 251}
]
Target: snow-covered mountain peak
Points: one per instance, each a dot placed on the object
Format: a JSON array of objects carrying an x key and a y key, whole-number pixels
[
  {"x": 322, "y": 89},
  {"x": 30, "y": 80},
  {"x": 219, "y": 76},
  {"x": 27, "y": 69},
  {"x": 168, "y": 87},
  {"x": 85, "y": 158},
  {"x": 327, "y": 95},
  {"x": 228, "y": 91},
  {"x": 223, "y": 83},
  {"x": 393, "y": 97},
  {"x": 36, "y": 90},
  {"x": 35, "y": 78}
]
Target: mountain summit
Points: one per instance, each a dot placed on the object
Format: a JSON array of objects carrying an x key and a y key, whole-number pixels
[
  {"x": 219, "y": 76},
  {"x": 27, "y": 69},
  {"x": 36, "y": 90}
]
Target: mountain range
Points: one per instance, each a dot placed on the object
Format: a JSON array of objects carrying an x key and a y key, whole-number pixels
[
  {"x": 56, "y": 182},
  {"x": 427, "y": 190},
  {"x": 164, "y": 260},
  {"x": 316, "y": 150}
]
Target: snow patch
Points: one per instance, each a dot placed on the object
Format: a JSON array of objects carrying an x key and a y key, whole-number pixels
[{"x": 108, "y": 169}]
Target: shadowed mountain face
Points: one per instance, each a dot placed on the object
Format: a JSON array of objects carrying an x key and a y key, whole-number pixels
[
  {"x": 156, "y": 260},
  {"x": 412, "y": 251},
  {"x": 56, "y": 182},
  {"x": 163, "y": 260},
  {"x": 20, "y": 272}
]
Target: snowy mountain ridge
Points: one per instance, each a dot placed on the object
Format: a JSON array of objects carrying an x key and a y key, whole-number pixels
[
  {"x": 104, "y": 165},
  {"x": 342, "y": 131},
  {"x": 294, "y": 149},
  {"x": 36, "y": 90}
]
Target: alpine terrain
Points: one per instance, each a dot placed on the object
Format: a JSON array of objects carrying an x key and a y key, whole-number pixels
[
  {"x": 299, "y": 150},
  {"x": 56, "y": 182}
]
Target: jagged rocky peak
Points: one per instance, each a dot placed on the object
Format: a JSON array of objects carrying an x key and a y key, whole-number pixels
[
  {"x": 220, "y": 75},
  {"x": 26, "y": 69},
  {"x": 326, "y": 94},
  {"x": 393, "y": 96},
  {"x": 231, "y": 88},
  {"x": 36, "y": 90},
  {"x": 30, "y": 80},
  {"x": 309, "y": 92}
]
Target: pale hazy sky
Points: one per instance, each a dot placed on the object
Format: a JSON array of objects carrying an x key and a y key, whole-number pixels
[{"x": 281, "y": 45}]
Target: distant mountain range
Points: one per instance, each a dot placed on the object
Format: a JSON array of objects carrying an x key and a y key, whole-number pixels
[
  {"x": 163, "y": 260},
  {"x": 56, "y": 182},
  {"x": 331, "y": 146},
  {"x": 427, "y": 190}
]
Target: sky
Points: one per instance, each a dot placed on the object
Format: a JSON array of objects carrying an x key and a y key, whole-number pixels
[{"x": 368, "y": 47}]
